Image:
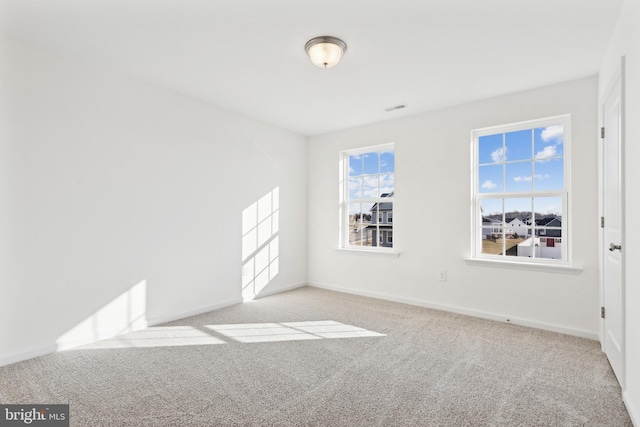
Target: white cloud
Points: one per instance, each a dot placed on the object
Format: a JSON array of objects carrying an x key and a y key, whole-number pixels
[
  {"x": 537, "y": 176},
  {"x": 371, "y": 186},
  {"x": 488, "y": 184},
  {"x": 499, "y": 155},
  {"x": 553, "y": 133},
  {"x": 548, "y": 151}
]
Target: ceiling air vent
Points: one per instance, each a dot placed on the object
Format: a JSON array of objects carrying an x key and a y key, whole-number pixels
[{"x": 397, "y": 107}]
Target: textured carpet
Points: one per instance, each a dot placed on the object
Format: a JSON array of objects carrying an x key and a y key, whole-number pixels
[{"x": 311, "y": 357}]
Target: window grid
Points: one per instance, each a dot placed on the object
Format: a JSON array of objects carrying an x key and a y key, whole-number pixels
[
  {"x": 367, "y": 198},
  {"x": 483, "y": 194}
]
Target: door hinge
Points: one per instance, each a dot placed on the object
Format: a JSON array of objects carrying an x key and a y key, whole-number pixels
[
  {"x": 602, "y": 132},
  {"x": 601, "y": 222},
  {"x": 602, "y": 312}
]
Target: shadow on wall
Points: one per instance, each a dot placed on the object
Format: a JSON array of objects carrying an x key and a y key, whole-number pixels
[
  {"x": 260, "y": 253},
  {"x": 126, "y": 313}
]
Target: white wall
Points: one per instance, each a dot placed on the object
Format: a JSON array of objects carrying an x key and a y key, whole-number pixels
[
  {"x": 108, "y": 182},
  {"x": 626, "y": 41},
  {"x": 433, "y": 187}
]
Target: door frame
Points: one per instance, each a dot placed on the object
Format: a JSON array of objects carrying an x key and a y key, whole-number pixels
[{"x": 617, "y": 76}]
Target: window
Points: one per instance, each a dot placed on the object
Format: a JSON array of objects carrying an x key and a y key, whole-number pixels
[
  {"x": 367, "y": 189},
  {"x": 520, "y": 172}
]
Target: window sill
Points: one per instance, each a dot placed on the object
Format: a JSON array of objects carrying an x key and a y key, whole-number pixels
[
  {"x": 558, "y": 268},
  {"x": 369, "y": 252}
]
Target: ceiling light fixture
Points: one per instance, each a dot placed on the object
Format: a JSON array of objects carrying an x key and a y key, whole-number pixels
[{"x": 325, "y": 51}]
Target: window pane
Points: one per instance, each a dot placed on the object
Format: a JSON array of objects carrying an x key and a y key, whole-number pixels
[
  {"x": 525, "y": 247},
  {"x": 549, "y": 142},
  {"x": 371, "y": 163},
  {"x": 490, "y": 149},
  {"x": 548, "y": 226},
  {"x": 491, "y": 207},
  {"x": 355, "y": 187},
  {"x": 355, "y": 165},
  {"x": 371, "y": 235},
  {"x": 518, "y": 176},
  {"x": 516, "y": 229},
  {"x": 491, "y": 210},
  {"x": 385, "y": 216},
  {"x": 518, "y": 216},
  {"x": 357, "y": 222},
  {"x": 490, "y": 179},
  {"x": 549, "y": 175},
  {"x": 549, "y": 207},
  {"x": 518, "y": 145},
  {"x": 546, "y": 246},
  {"x": 387, "y": 162},
  {"x": 492, "y": 241},
  {"x": 371, "y": 188},
  {"x": 387, "y": 184}
]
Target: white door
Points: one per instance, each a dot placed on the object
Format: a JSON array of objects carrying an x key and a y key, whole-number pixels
[{"x": 613, "y": 292}]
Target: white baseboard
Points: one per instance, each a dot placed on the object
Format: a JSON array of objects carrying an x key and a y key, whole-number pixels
[
  {"x": 467, "y": 312},
  {"x": 633, "y": 411},
  {"x": 8, "y": 359},
  {"x": 157, "y": 320},
  {"x": 280, "y": 290}
]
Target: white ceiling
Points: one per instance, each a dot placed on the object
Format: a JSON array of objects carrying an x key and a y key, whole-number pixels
[{"x": 248, "y": 56}]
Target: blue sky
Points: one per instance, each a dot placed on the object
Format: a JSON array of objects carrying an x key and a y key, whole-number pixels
[
  {"x": 370, "y": 176},
  {"x": 522, "y": 161}
]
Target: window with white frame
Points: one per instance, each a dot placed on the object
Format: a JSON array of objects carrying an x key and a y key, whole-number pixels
[
  {"x": 521, "y": 190},
  {"x": 367, "y": 190}
]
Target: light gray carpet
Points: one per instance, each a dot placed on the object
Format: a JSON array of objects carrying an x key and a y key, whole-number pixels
[{"x": 403, "y": 366}]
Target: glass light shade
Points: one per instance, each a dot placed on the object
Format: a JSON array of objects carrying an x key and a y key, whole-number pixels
[{"x": 325, "y": 52}]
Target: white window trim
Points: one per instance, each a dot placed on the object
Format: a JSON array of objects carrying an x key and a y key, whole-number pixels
[
  {"x": 343, "y": 234},
  {"x": 567, "y": 225}
]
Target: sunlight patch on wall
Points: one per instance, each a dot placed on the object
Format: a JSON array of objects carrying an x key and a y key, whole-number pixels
[
  {"x": 159, "y": 336},
  {"x": 291, "y": 331},
  {"x": 126, "y": 313},
  {"x": 260, "y": 244}
]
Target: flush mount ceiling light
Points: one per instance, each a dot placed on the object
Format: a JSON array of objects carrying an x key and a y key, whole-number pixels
[{"x": 325, "y": 51}]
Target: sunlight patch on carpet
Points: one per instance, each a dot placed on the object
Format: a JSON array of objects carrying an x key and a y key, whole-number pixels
[
  {"x": 159, "y": 336},
  {"x": 291, "y": 331}
]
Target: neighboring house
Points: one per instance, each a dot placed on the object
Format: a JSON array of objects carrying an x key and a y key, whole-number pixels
[
  {"x": 518, "y": 227},
  {"x": 544, "y": 247},
  {"x": 381, "y": 227},
  {"x": 547, "y": 242},
  {"x": 549, "y": 225},
  {"x": 549, "y": 221},
  {"x": 491, "y": 228}
]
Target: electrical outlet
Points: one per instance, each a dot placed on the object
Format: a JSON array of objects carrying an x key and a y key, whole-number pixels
[{"x": 442, "y": 276}]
